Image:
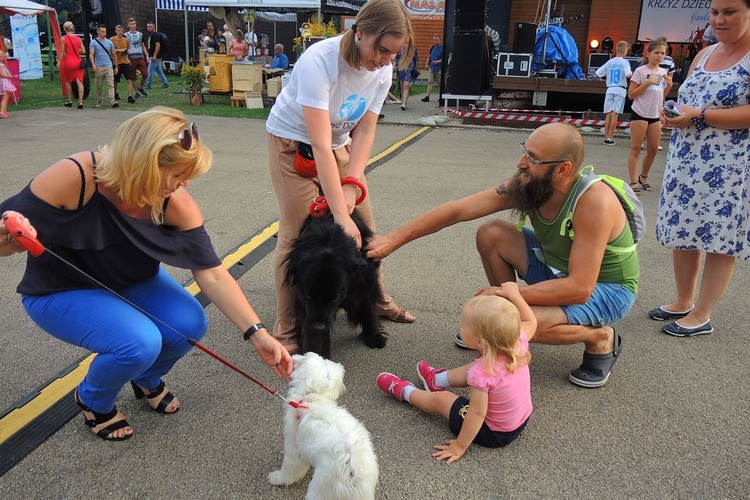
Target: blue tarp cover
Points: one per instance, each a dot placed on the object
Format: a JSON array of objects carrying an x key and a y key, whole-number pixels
[{"x": 561, "y": 48}]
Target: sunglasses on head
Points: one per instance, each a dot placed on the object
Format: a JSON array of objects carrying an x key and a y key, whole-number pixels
[{"x": 186, "y": 136}]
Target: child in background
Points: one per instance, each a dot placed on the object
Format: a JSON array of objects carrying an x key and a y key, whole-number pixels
[
  {"x": 498, "y": 323},
  {"x": 617, "y": 71},
  {"x": 6, "y": 86},
  {"x": 649, "y": 85}
]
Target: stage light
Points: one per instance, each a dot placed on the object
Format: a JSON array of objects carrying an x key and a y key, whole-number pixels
[
  {"x": 607, "y": 45},
  {"x": 594, "y": 44},
  {"x": 637, "y": 48}
]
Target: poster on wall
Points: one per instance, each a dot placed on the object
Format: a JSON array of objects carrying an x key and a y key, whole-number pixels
[
  {"x": 25, "y": 36},
  {"x": 678, "y": 20},
  {"x": 425, "y": 9}
]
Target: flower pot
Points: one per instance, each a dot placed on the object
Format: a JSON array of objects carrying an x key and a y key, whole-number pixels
[{"x": 195, "y": 97}]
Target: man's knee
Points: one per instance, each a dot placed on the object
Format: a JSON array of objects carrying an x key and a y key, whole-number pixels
[{"x": 492, "y": 233}]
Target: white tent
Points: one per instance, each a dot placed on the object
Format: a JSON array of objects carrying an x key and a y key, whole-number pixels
[
  {"x": 23, "y": 7},
  {"x": 333, "y": 6}
]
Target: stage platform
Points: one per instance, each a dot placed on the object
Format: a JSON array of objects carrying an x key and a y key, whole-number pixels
[{"x": 558, "y": 93}]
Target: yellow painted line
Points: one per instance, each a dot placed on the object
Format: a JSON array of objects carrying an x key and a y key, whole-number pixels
[
  {"x": 57, "y": 389},
  {"x": 397, "y": 145},
  {"x": 48, "y": 396},
  {"x": 241, "y": 252}
]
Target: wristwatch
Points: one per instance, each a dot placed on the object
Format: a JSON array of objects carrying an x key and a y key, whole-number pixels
[{"x": 250, "y": 331}]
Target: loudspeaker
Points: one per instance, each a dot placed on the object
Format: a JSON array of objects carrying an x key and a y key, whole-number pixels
[
  {"x": 524, "y": 38},
  {"x": 469, "y": 15},
  {"x": 468, "y": 66}
]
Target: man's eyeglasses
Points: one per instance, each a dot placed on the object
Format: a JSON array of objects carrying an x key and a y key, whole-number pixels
[
  {"x": 186, "y": 136},
  {"x": 535, "y": 161}
]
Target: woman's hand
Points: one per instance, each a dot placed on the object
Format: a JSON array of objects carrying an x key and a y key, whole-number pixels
[
  {"x": 683, "y": 120},
  {"x": 8, "y": 244},
  {"x": 350, "y": 229},
  {"x": 273, "y": 353},
  {"x": 350, "y": 195}
]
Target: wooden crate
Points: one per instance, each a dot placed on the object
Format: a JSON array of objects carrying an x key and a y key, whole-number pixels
[
  {"x": 274, "y": 86},
  {"x": 253, "y": 100},
  {"x": 220, "y": 79},
  {"x": 247, "y": 77}
]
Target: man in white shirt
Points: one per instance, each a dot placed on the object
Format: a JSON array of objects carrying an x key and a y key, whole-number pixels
[{"x": 252, "y": 40}]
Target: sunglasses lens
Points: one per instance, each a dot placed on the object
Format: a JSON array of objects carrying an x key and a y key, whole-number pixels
[
  {"x": 186, "y": 136},
  {"x": 186, "y": 139}
]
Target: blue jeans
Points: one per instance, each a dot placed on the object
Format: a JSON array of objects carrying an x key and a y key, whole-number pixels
[
  {"x": 155, "y": 67},
  {"x": 129, "y": 344},
  {"x": 608, "y": 304}
]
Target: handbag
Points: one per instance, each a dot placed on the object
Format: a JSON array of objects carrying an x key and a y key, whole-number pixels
[
  {"x": 304, "y": 161},
  {"x": 414, "y": 74},
  {"x": 83, "y": 63}
]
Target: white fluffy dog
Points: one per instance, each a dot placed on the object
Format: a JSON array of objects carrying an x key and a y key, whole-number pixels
[{"x": 325, "y": 436}]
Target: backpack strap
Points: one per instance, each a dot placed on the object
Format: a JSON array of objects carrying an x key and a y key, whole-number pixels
[{"x": 588, "y": 178}]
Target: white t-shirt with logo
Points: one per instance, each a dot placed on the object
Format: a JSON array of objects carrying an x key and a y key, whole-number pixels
[
  {"x": 617, "y": 70},
  {"x": 323, "y": 80}
]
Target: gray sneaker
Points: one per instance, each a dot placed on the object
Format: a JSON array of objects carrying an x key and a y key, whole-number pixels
[{"x": 459, "y": 341}]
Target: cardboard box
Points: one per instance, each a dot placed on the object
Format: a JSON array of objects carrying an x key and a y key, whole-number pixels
[
  {"x": 518, "y": 65},
  {"x": 274, "y": 86},
  {"x": 253, "y": 100}
]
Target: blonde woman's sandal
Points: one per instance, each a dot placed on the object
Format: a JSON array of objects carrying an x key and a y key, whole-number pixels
[
  {"x": 159, "y": 398},
  {"x": 401, "y": 316},
  {"x": 106, "y": 425},
  {"x": 645, "y": 185}
]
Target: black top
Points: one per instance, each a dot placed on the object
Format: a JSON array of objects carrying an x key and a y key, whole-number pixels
[
  {"x": 116, "y": 249},
  {"x": 155, "y": 37}
]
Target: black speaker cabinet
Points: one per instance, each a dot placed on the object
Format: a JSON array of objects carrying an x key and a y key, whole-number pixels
[
  {"x": 468, "y": 67},
  {"x": 524, "y": 38},
  {"x": 469, "y": 15}
]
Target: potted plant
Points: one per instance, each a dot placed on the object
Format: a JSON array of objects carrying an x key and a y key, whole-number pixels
[
  {"x": 194, "y": 77},
  {"x": 313, "y": 31}
]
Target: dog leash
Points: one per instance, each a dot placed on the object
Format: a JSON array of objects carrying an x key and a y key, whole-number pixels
[
  {"x": 36, "y": 248},
  {"x": 319, "y": 205}
]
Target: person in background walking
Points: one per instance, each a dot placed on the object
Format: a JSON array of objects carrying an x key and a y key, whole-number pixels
[
  {"x": 154, "y": 48},
  {"x": 101, "y": 52},
  {"x": 70, "y": 63},
  {"x": 138, "y": 56},
  {"x": 433, "y": 66}
]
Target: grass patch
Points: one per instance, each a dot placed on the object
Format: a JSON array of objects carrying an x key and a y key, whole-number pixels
[{"x": 45, "y": 93}]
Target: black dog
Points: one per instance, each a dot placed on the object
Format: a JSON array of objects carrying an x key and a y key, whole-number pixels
[{"x": 330, "y": 273}]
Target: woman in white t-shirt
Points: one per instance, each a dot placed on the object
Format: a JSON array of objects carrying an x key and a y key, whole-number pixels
[
  {"x": 337, "y": 84},
  {"x": 649, "y": 85}
]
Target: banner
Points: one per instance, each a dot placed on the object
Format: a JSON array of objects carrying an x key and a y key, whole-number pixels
[
  {"x": 25, "y": 36},
  {"x": 678, "y": 20},
  {"x": 425, "y": 9}
]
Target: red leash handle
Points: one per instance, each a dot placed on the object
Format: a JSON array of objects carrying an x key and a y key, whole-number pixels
[
  {"x": 319, "y": 205},
  {"x": 239, "y": 370},
  {"x": 19, "y": 233}
]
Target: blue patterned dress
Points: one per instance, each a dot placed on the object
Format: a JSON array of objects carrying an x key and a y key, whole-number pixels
[{"x": 705, "y": 197}]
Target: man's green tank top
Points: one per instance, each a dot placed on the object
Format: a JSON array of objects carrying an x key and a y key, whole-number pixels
[{"x": 617, "y": 266}]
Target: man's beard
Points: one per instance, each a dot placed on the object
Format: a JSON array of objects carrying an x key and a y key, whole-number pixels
[{"x": 531, "y": 195}]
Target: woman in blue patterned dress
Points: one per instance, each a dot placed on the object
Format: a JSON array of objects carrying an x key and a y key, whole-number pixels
[{"x": 705, "y": 198}]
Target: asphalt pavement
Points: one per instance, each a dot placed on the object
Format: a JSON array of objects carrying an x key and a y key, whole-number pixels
[{"x": 670, "y": 423}]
